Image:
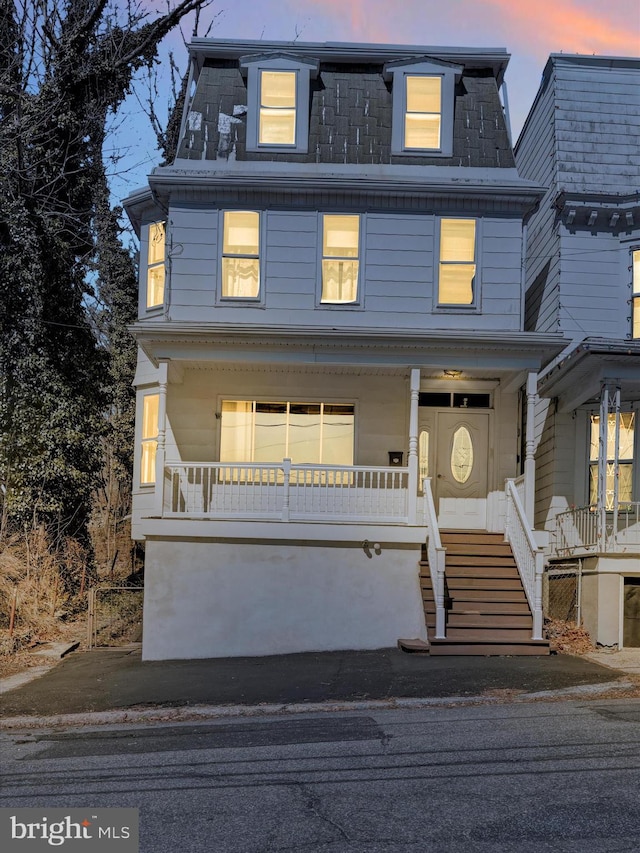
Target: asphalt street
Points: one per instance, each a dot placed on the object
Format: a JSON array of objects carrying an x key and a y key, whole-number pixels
[{"x": 514, "y": 778}]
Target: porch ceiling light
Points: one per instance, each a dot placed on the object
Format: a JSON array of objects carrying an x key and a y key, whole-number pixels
[{"x": 452, "y": 374}]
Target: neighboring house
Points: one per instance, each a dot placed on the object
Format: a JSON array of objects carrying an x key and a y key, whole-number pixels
[
  {"x": 583, "y": 279},
  {"x": 332, "y": 353}
]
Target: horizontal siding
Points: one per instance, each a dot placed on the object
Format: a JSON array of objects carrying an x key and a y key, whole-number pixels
[
  {"x": 535, "y": 158},
  {"x": 398, "y": 271}
]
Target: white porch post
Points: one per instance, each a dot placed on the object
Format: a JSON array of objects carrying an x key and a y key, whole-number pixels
[
  {"x": 529, "y": 457},
  {"x": 609, "y": 404},
  {"x": 163, "y": 372},
  {"x": 413, "y": 447}
]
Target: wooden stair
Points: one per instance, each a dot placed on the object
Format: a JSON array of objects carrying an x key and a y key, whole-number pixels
[{"x": 487, "y": 612}]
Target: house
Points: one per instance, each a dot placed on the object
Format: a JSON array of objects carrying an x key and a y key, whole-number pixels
[
  {"x": 580, "y": 140},
  {"x": 332, "y": 355}
]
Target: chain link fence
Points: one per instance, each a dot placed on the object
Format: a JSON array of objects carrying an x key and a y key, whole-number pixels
[
  {"x": 561, "y": 592},
  {"x": 115, "y": 616}
]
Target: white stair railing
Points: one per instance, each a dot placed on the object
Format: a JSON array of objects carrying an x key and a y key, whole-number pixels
[
  {"x": 529, "y": 558},
  {"x": 435, "y": 555}
]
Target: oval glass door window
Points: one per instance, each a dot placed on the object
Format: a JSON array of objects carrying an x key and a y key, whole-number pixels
[{"x": 461, "y": 455}]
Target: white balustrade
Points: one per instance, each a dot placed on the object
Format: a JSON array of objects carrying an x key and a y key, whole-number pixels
[
  {"x": 436, "y": 557},
  {"x": 285, "y": 491},
  {"x": 529, "y": 558},
  {"x": 589, "y": 529}
]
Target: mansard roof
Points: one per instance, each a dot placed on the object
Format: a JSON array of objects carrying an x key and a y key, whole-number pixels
[{"x": 350, "y": 114}]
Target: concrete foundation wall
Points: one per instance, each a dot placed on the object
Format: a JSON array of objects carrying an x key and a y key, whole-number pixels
[{"x": 229, "y": 599}]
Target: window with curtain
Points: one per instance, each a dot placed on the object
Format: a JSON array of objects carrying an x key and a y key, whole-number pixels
[
  {"x": 311, "y": 433},
  {"x": 150, "y": 408},
  {"x": 340, "y": 248},
  {"x": 457, "y": 268},
  {"x": 625, "y": 459},
  {"x": 156, "y": 265},
  {"x": 241, "y": 254}
]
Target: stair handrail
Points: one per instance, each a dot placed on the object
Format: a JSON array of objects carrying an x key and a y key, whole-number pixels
[
  {"x": 435, "y": 556},
  {"x": 528, "y": 556}
]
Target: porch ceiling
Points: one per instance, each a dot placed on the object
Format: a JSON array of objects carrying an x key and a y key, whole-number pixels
[
  {"x": 477, "y": 354},
  {"x": 577, "y": 379}
]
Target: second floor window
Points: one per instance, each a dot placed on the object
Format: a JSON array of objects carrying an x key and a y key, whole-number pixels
[
  {"x": 241, "y": 254},
  {"x": 340, "y": 249},
  {"x": 422, "y": 119},
  {"x": 277, "y": 108},
  {"x": 457, "y": 268},
  {"x": 155, "y": 265},
  {"x": 635, "y": 299},
  {"x": 150, "y": 406}
]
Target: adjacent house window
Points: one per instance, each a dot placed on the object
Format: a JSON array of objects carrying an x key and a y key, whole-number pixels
[
  {"x": 150, "y": 406},
  {"x": 278, "y": 99},
  {"x": 340, "y": 249},
  {"x": 155, "y": 265},
  {"x": 625, "y": 459},
  {"x": 277, "y": 108},
  {"x": 241, "y": 255},
  {"x": 457, "y": 268},
  {"x": 423, "y": 115},
  {"x": 311, "y": 433},
  {"x": 635, "y": 299}
]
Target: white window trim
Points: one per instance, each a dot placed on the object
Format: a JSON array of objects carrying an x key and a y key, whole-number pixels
[
  {"x": 287, "y": 400},
  {"x": 398, "y": 73},
  {"x": 635, "y": 292},
  {"x": 358, "y": 305},
  {"x": 305, "y": 70},
  {"x": 148, "y": 392},
  {"x": 157, "y": 308},
  {"x": 249, "y": 301},
  {"x": 583, "y": 451},
  {"x": 448, "y": 308}
]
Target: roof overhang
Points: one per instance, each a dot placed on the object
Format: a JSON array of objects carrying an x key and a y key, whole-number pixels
[
  {"x": 615, "y": 213},
  {"x": 494, "y": 58},
  {"x": 512, "y": 354},
  {"x": 577, "y": 378}
]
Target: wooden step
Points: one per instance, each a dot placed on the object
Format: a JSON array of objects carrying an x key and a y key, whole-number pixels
[
  {"x": 488, "y": 635},
  {"x": 414, "y": 646},
  {"x": 470, "y": 536},
  {"x": 489, "y": 621},
  {"x": 489, "y": 550},
  {"x": 530, "y": 647},
  {"x": 473, "y": 560},
  {"x": 506, "y": 596},
  {"x": 462, "y": 605},
  {"x": 502, "y": 584},
  {"x": 481, "y": 572}
]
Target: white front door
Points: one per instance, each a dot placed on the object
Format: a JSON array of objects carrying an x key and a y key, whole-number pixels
[{"x": 458, "y": 465}]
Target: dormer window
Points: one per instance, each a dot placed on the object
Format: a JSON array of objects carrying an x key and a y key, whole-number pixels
[
  {"x": 423, "y": 116},
  {"x": 277, "y": 108},
  {"x": 278, "y": 102},
  {"x": 423, "y": 106}
]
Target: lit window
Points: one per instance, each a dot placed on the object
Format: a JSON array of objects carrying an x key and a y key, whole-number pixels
[
  {"x": 341, "y": 237},
  {"x": 150, "y": 405},
  {"x": 155, "y": 265},
  {"x": 306, "y": 433},
  {"x": 423, "y": 115},
  {"x": 240, "y": 254},
  {"x": 625, "y": 459},
  {"x": 635, "y": 312},
  {"x": 457, "y": 262},
  {"x": 277, "y": 108}
]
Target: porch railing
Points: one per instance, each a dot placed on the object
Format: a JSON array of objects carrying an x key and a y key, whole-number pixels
[
  {"x": 591, "y": 529},
  {"x": 529, "y": 558},
  {"x": 286, "y": 492},
  {"x": 436, "y": 557}
]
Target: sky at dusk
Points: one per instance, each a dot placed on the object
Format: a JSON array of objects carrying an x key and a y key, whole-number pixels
[{"x": 529, "y": 29}]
